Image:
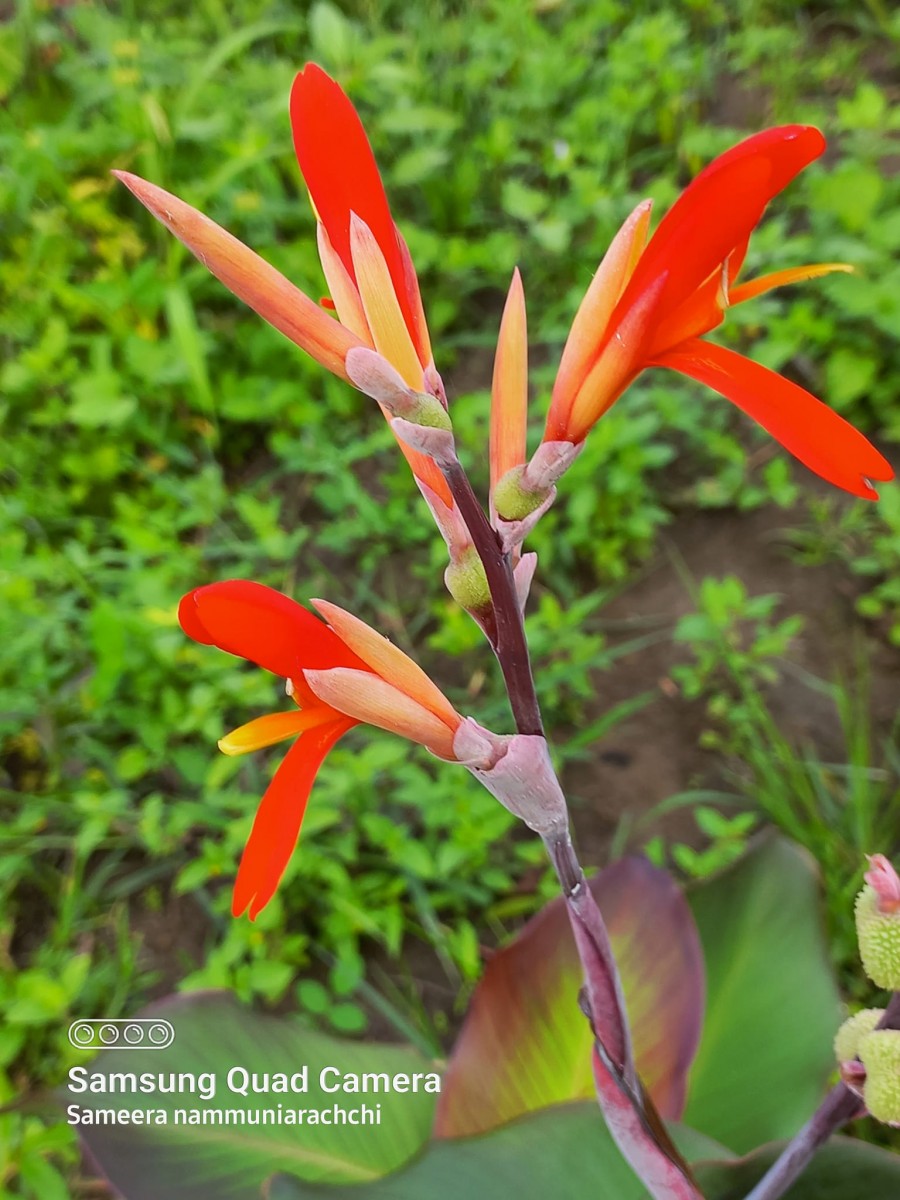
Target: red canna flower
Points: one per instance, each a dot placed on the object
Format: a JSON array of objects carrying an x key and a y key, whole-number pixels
[
  {"x": 339, "y": 674},
  {"x": 649, "y": 305},
  {"x": 374, "y": 289}
]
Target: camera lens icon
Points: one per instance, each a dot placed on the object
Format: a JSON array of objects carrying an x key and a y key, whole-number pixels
[{"x": 122, "y": 1033}]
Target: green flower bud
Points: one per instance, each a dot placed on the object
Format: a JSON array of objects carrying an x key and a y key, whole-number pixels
[
  {"x": 847, "y": 1038},
  {"x": 879, "y": 940},
  {"x": 880, "y": 1054},
  {"x": 512, "y": 501},
  {"x": 467, "y": 583},
  {"x": 426, "y": 410}
]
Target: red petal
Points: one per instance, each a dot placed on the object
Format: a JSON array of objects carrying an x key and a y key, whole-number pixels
[
  {"x": 339, "y": 168},
  {"x": 278, "y": 819},
  {"x": 717, "y": 212},
  {"x": 809, "y": 429},
  {"x": 264, "y": 626}
]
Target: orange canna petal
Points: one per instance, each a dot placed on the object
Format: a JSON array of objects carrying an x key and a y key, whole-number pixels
[
  {"x": 342, "y": 288},
  {"x": 369, "y": 698},
  {"x": 776, "y": 279},
  {"x": 273, "y": 728},
  {"x": 379, "y": 300},
  {"x": 807, "y": 428},
  {"x": 250, "y": 277},
  {"x": 589, "y": 327},
  {"x": 509, "y": 392},
  {"x": 276, "y": 826},
  {"x": 388, "y": 661}
]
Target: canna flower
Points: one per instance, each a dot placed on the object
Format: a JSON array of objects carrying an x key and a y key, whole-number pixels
[
  {"x": 367, "y": 266},
  {"x": 650, "y": 304},
  {"x": 339, "y": 673}
]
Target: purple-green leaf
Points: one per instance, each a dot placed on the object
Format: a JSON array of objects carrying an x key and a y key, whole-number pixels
[{"x": 525, "y": 1045}]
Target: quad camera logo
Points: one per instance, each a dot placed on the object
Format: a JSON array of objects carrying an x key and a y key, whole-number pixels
[{"x": 123, "y": 1033}]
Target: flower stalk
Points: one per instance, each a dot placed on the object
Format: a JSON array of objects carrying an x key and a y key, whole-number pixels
[{"x": 629, "y": 1114}]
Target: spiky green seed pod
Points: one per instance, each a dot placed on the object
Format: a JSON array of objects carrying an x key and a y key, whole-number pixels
[
  {"x": 879, "y": 940},
  {"x": 880, "y": 1055},
  {"x": 847, "y": 1038},
  {"x": 512, "y": 501},
  {"x": 467, "y": 583}
]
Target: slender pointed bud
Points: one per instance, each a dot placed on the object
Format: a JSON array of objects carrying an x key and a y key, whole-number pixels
[
  {"x": 848, "y": 1037},
  {"x": 453, "y": 528},
  {"x": 343, "y": 291},
  {"x": 523, "y": 574},
  {"x": 878, "y": 927},
  {"x": 433, "y": 440},
  {"x": 509, "y": 392},
  {"x": 434, "y": 385},
  {"x": 884, "y": 879},
  {"x": 525, "y": 783},
  {"x": 249, "y": 277},
  {"x": 880, "y": 1055},
  {"x": 467, "y": 583},
  {"x": 382, "y": 308}
]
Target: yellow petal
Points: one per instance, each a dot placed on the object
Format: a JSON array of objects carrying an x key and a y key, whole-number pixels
[
  {"x": 388, "y": 661},
  {"x": 379, "y": 301},
  {"x": 765, "y": 283},
  {"x": 509, "y": 393},
  {"x": 367, "y": 697},
  {"x": 342, "y": 289},
  {"x": 250, "y": 277},
  {"x": 274, "y": 727},
  {"x": 596, "y": 308}
]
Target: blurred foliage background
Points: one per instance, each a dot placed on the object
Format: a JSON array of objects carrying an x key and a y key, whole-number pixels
[{"x": 157, "y": 436}]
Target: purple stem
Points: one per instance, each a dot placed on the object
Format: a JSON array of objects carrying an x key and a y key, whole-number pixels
[
  {"x": 509, "y": 645},
  {"x": 839, "y": 1106},
  {"x": 649, "y": 1153}
]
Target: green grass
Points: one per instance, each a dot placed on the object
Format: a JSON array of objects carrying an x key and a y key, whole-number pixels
[{"x": 158, "y": 436}]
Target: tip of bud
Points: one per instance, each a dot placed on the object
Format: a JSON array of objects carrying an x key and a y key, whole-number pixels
[{"x": 885, "y": 882}]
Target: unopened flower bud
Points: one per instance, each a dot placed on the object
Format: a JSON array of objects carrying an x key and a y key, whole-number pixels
[
  {"x": 427, "y": 411},
  {"x": 880, "y": 1054},
  {"x": 513, "y": 500},
  {"x": 878, "y": 925},
  {"x": 848, "y": 1037},
  {"x": 467, "y": 583}
]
